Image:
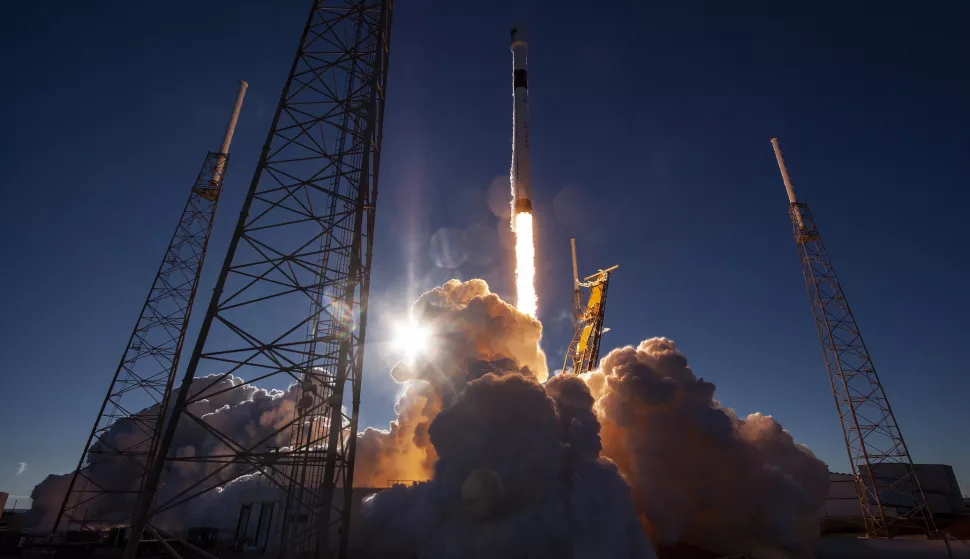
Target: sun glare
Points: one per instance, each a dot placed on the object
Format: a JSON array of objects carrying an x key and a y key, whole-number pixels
[{"x": 411, "y": 339}]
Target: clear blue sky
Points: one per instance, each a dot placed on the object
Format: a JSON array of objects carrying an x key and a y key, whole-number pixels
[{"x": 650, "y": 135}]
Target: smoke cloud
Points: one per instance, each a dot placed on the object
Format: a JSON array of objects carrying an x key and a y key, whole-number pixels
[
  {"x": 21, "y": 468},
  {"x": 699, "y": 473},
  {"x": 504, "y": 465},
  {"x": 246, "y": 413},
  {"x": 472, "y": 332},
  {"x": 518, "y": 475}
]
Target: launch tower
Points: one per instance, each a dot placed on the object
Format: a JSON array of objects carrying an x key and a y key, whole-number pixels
[
  {"x": 584, "y": 349},
  {"x": 890, "y": 495},
  {"x": 289, "y": 309},
  {"x": 143, "y": 380}
]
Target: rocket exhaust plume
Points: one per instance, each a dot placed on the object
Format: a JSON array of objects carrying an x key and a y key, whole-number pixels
[
  {"x": 522, "y": 224},
  {"x": 526, "y": 299}
]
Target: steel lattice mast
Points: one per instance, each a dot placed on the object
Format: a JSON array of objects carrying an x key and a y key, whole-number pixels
[
  {"x": 290, "y": 304},
  {"x": 889, "y": 492},
  {"x": 142, "y": 383}
]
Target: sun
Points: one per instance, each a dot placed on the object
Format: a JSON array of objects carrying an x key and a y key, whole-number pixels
[{"x": 412, "y": 339}]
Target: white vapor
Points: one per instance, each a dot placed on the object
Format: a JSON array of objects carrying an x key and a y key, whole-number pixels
[
  {"x": 508, "y": 464},
  {"x": 21, "y": 468}
]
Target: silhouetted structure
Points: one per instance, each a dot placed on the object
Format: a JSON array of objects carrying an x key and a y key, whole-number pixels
[
  {"x": 127, "y": 430},
  {"x": 890, "y": 497},
  {"x": 290, "y": 304}
]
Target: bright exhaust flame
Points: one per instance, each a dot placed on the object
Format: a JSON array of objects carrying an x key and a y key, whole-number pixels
[{"x": 525, "y": 265}]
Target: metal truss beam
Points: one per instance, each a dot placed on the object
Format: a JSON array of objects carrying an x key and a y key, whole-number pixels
[
  {"x": 290, "y": 304},
  {"x": 890, "y": 495},
  {"x": 127, "y": 429}
]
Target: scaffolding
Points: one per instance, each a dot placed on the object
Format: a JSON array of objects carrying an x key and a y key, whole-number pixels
[
  {"x": 289, "y": 309},
  {"x": 890, "y": 497},
  {"x": 128, "y": 427}
]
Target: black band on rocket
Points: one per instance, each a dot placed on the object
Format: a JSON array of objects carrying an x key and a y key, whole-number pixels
[{"x": 519, "y": 79}]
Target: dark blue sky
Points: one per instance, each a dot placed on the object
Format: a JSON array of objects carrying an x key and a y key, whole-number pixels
[{"x": 650, "y": 137}]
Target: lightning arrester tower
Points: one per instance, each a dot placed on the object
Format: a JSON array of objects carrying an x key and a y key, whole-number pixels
[
  {"x": 889, "y": 492},
  {"x": 289, "y": 308},
  {"x": 142, "y": 383},
  {"x": 577, "y": 305}
]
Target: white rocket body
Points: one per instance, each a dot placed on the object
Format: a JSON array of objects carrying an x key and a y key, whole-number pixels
[{"x": 521, "y": 160}]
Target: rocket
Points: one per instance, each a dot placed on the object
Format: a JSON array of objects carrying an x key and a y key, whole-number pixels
[{"x": 521, "y": 162}]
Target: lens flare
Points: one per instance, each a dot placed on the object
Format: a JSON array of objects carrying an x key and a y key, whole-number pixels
[
  {"x": 525, "y": 265},
  {"x": 412, "y": 339}
]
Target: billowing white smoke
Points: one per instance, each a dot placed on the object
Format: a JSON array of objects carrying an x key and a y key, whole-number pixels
[
  {"x": 511, "y": 467},
  {"x": 472, "y": 332},
  {"x": 699, "y": 473},
  {"x": 472, "y": 326},
  {"x": 518, "y": 475},
  {"x": 246, "y": 413}
]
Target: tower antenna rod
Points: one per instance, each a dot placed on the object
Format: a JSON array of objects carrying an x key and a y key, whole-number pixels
[
  {"x": 230, "y": 130},
  {"x": 233, "y": 117},
  {"x": 576, "y": 303},
  {"x": 788, "y": 186},
  {"x": 784, "y": 171}
]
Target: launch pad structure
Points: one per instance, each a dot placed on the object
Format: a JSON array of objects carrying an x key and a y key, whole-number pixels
[
  {"x": 290, "y": 302},
  {"x": 889, "y": 492},
  {"x": 144, "y": 377},
  {"x": 583, "y": 353}
]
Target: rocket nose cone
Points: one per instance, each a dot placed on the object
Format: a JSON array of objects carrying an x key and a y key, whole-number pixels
[{"x": 518, "y": 35}]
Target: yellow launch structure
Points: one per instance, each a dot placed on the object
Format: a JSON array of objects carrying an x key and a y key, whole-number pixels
[{"x": 584, "y": 349}]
